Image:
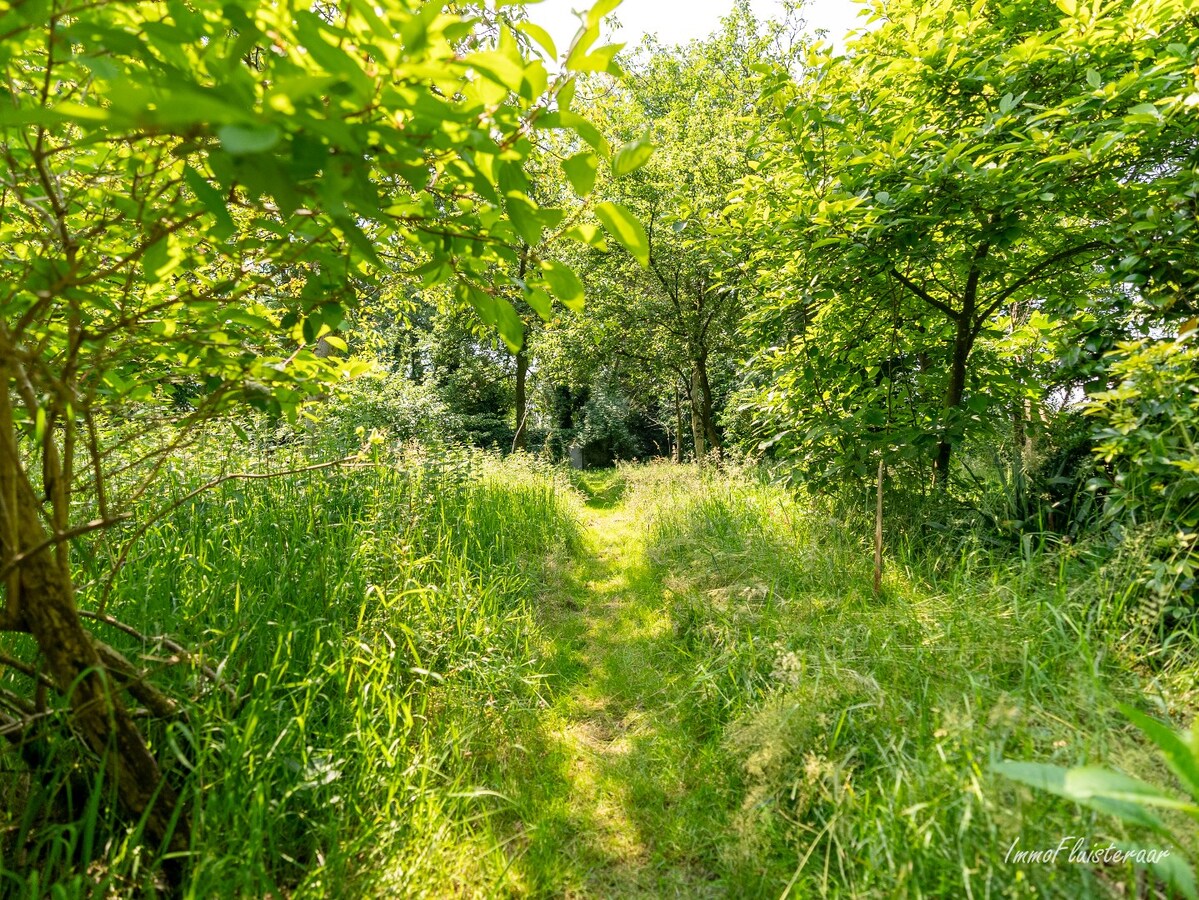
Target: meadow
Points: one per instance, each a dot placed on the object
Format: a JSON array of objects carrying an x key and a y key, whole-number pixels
[{"x": 445, "y": 674}]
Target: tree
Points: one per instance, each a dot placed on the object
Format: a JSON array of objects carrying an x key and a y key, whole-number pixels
[
  {"x": 955, "y": 171},
  {"x": 675, "y": 321},
  {"x": 192, "y": 196}
]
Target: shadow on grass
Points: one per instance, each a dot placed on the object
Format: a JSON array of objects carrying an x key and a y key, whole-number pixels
[
  {"x": 614, "y": 798},
  {"x": 601, "y": 488}
]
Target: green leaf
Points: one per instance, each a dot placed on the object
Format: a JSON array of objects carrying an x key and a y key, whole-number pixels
[
  {"x": 509, "y": 325},
  {"x": 311, "y": 330},
  {"x": 523, "y": 214},
  {"x": 499, "y": 67},
  {"x": 1172, "y": 868},
  {"x": 602, "y": 60},
  {"x": 586, "y": 233},
  {"x": 540, "y": 302},
  {"x": 535, "y": 81},
  {"x": 1143, "y": 112},
  {"x": 246, "y": 139},
  {"x": 596, "y": 14},
  {"x": 213, "y": 200},
  {"x": 541, "y": 36},
  {"x": 349, "y": 228},
  {"x": 632, "y": 156},
  {"x": 162, "y": 257},
  {"x": 1178, "y": 753},
  {"x": 80, "y": 112},
  {"x": 581, "y": 169},
  {"x": 494, "y": 311},
  {"x": 1108, "y": 792},
  {"x": 585, "y": 130},
  {"x": 563, "y": 283},
  {"x": 1175, "y": 872},
  {"x": 578, "y": 48},
  {"x": 619, "y": 222},
  {"x": 328, "y": 50},
  {"x": 566, "y": 94},
  {"x": 578, "y": 59},
  {"x": 550, "y": 217},
  {"x": 336, "y": 343}
]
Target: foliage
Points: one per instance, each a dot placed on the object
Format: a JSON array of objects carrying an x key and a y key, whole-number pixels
[
  {"x": 370, "y": 627},
  {"x": 400, "y": 410},
  {"x": 1130, "y": 799},
  {"x": 1145, "y": 439},
  {"x": 666, "y": 320},
  {"x": 941, "y": 208},
  {"x": 1148, "y": 433},
  {"x": 264, "y": 633},
  {"x": 192, "y": 199},
  {"x": 255, "y": 153},
  {"x": 604, "y": 421}
]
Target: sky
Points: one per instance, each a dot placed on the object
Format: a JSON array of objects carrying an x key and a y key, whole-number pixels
[{"x": 678, "y": 21}]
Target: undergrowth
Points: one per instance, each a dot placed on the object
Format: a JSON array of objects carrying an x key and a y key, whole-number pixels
[
  {"x": 421, "y": 676},
  {"x": 371, "y": 628},
  {"x": 861, "y": 729}
]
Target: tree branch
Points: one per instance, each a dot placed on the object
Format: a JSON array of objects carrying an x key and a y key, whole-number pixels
[
  {"x": 923, "y": 294},
  {"x": 57, "y": 539},
  {"x": 1028, "y": 277}
]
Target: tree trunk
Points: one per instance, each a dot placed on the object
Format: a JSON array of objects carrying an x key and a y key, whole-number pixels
[
  {"x": 701, "y": 366},
  {"x": 10, "y": 538},
  {"x": 1021, "y": 415},
  {"x": 678, "y": 424},
  {"x": 41, "y": 600},
  {"x": 697, "y": 420},
  {"x": 98, "y": 713},
  {"x": 962, "y": 344},
  {"x": 520, "y": 439},
  {"x": 878, "y": 531}
]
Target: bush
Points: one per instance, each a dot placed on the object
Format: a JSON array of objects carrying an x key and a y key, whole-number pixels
[
  {"x": 1148, "y": 426},
  {"x": 400, "y": 409},
  {"x": 1147, "y": 432}
]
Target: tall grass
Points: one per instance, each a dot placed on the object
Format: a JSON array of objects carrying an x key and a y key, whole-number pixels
[
  {"x": 371, "y": 628},
  {"x": 859, "y": 730},
  {"x": 432, "y": 683}
]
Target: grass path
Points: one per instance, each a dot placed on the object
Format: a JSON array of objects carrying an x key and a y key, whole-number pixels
[
  {"x": 723, "y": 708},
  {"x": 615, "y": 800}
]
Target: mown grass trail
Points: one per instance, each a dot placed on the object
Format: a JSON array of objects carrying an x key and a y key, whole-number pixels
[
  {"x": 614, "y": 803},
  {"x": 728, "y": 710},
  {"x": 456, "y": 676}
]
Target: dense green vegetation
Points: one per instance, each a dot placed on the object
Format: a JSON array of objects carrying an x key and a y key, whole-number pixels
[
  {"x": 433, "y": 464},
  {"x": 673, "y": 682}
]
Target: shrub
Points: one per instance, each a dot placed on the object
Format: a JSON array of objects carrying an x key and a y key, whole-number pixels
[{"x": 1148, "y": 441}]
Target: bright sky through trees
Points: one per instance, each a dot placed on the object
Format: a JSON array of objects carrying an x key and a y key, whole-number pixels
[{"x": 678, "y": 21}]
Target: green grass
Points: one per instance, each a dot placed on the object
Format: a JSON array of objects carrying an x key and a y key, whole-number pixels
[
  {"x": 375, "y": 628},
  {"x": 737, "y": 715},
  {"x": 451, "y": 676},
  {"x": 605, "y": 806},
  {"x": 859, "y": 730}
]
